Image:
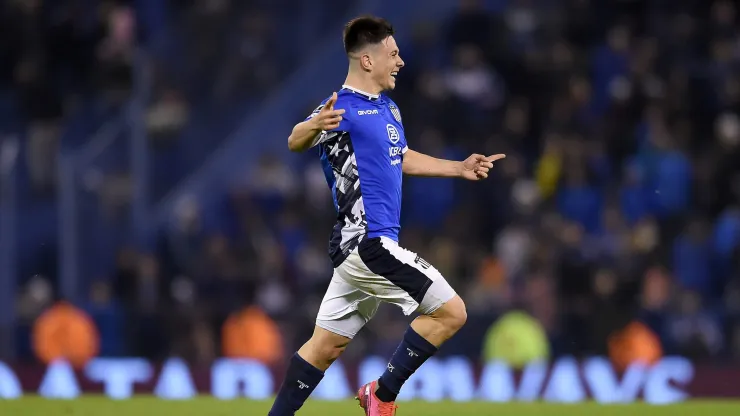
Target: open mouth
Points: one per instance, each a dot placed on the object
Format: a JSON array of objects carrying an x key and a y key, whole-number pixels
[{"x": 394, "y": 74}]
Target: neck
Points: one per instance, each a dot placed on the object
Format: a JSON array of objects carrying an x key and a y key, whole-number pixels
[{"x": 362, "y": 83}]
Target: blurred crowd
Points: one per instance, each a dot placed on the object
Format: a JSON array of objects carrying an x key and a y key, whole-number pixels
[
  {"x": 618, "y": 202},
  {"x": 56, "y": 57}
]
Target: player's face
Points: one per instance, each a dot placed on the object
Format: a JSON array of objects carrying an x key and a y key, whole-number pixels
[{"x": 387, "y": 63}]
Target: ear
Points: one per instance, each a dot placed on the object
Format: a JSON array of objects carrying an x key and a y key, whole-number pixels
[{"x": 366, "y": 61}]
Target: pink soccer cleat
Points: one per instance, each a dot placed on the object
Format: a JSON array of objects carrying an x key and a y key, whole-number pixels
[{"x": 370, "y": 403}]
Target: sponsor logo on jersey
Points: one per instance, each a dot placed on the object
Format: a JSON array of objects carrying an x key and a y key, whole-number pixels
[
  {"x": 367, "y": 112},
  {"x": 393, "y": 134}
]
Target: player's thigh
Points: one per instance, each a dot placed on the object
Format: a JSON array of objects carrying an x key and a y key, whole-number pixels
[
  {"x": 345, "y": 309},
  {"x": 402, "y": 277}
]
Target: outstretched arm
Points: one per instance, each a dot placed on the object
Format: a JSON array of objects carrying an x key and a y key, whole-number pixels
[
  {"x": 473, "y": 168},
  {"x": 419, "y": 164},
  {"x": 304, "y": 135}
]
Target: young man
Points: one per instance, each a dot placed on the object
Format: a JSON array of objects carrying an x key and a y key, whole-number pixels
[{"x": 364, "y": 154}]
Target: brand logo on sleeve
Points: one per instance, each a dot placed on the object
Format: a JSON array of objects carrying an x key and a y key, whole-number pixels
[{"x": 421, "y": 262}]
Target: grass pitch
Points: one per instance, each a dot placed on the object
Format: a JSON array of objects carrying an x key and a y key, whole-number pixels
[{"x": 148, "y": 406}]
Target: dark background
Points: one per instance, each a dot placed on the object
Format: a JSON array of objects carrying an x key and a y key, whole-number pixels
[{"x": 618, "y": 200}]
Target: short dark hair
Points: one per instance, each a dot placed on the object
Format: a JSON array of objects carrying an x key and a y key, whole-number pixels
[{"x": 365, "y": 30}]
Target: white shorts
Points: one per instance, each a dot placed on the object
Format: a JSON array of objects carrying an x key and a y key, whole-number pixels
[{"x": 379, "y": 270}]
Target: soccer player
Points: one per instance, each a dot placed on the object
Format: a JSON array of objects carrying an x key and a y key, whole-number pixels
[{"x": 364, "y": 155}]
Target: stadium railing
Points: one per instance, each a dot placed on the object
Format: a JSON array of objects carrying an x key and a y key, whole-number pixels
[
  {"x": 8, "y": 244},
  {"x": 111, "y": 165}
]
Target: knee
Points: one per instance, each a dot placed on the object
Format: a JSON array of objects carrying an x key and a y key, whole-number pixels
[
  {"x": 453, "y": 314},
  {"x": 458, "y": 315}
]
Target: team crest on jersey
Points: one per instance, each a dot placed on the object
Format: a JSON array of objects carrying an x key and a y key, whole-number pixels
[{"x": 396, "y": 113}]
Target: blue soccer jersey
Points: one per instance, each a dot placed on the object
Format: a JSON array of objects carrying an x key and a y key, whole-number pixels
[{"x": 362, "y": 161}]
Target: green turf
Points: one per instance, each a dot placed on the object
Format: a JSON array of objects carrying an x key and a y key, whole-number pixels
[{"x": 145, "y": 406}]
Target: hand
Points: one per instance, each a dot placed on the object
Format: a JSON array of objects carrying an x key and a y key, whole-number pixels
[
  {"x": 476, "y": 167},
  {"x": 328, "y": 118}
]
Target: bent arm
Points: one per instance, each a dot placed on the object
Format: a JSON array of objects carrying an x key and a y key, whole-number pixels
[
  {"x": 304, "y": 136},
  {"x": 419, "y": 164}
]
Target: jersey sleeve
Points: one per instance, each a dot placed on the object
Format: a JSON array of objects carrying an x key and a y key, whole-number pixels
[
  {"x": 316, "y": 111},
  {"x": 344, "y": 125}
]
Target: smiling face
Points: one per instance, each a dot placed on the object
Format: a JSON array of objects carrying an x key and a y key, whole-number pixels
[{"x": 384, "y": 63}]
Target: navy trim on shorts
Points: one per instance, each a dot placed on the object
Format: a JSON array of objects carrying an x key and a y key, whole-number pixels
[{"x": 383, "y": 263}]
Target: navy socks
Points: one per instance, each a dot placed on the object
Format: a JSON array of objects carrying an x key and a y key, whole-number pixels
[
  {"x": 302, "y": 378},
  {"x": 300, "y": 381},
  {"x": 410, "y": 355}
]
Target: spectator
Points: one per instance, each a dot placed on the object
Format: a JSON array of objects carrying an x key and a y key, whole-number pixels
[
  {"x": 550, "y": 166},
  {"x": 44, "y": 110},
  {"x": 517, "y": 340},
  {"x": 116, "y": 52},
  {"x": 471, "y": 26},
  {"x": 167, "y": 117},
  {"x": 472, "y": 82},
  {"x": 108, "y": 317},
  {"x": 580, "y": 202},
  {"x": 695, "y": 332},
  {"x": 692, "y": 260},
  {"x": 65, "y": 332},
  {"x": 251, "y": 334},
  {"x": 634, "y": 344}
]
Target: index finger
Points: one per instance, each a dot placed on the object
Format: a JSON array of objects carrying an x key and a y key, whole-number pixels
[
  {"x": 494, "y": 158},
  {"x": 330, "y": 103}
]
